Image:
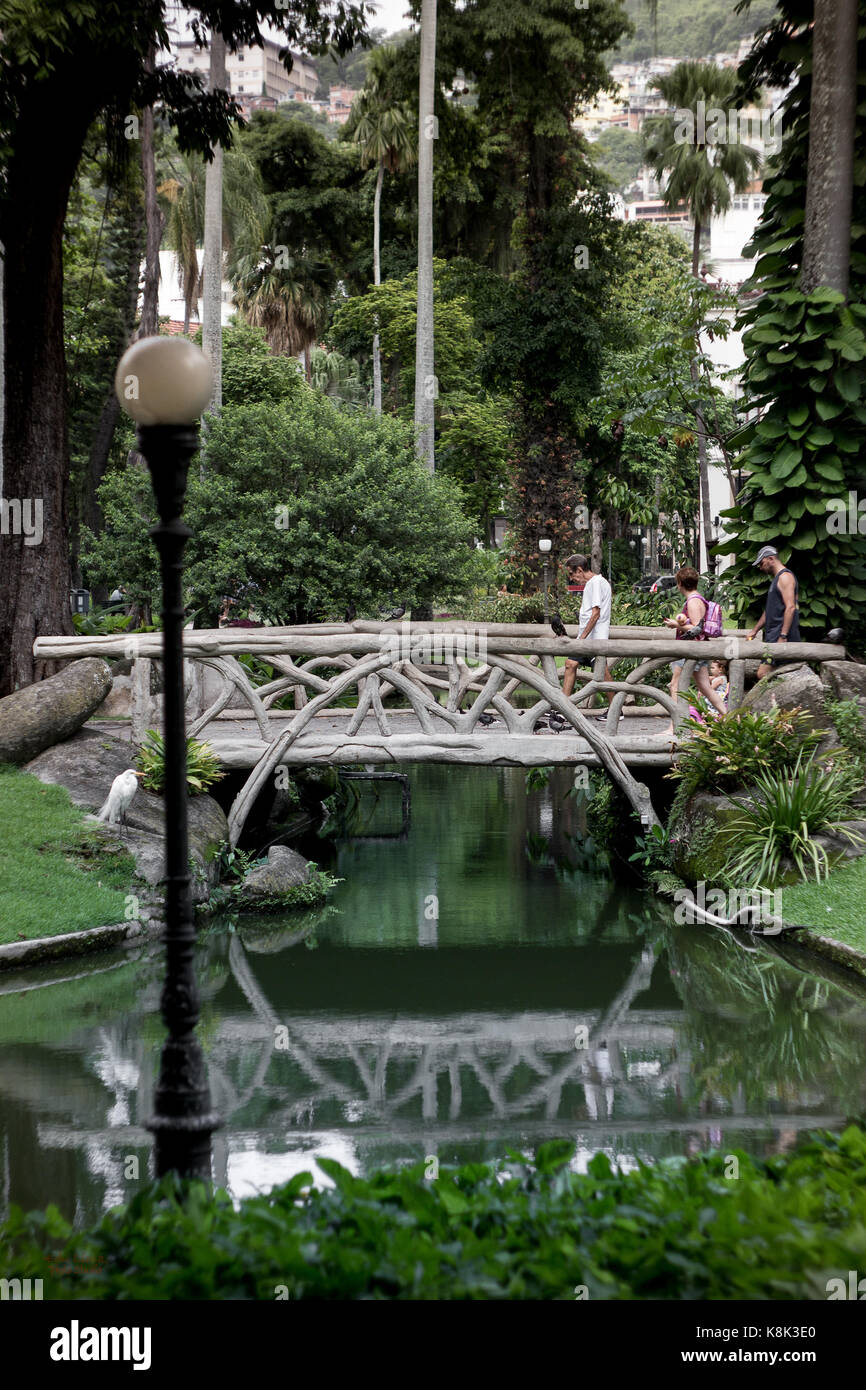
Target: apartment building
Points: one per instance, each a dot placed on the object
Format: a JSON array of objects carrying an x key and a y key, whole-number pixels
[{"x": 254, "y": 73}]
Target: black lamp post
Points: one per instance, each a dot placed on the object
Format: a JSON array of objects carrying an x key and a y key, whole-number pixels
[
  {"x": 164, "y": 384},
  {"x": 544, "y": 545}
]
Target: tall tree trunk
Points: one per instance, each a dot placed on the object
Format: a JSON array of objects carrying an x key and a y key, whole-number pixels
[
  {"x": 425, "y": 380},
  {"x": 654, "y": 529},
  {"x": 153, "y": 222},
  {"x": 377, "y": 280},
  {"x": 212, "y": 333},
  {"x": 596, "y": 559},
  {"x": 2, "y": 364},
  {"x": 89, "y": 513},
  {"x": 830, "y": 177},
  {"x": 706, "y": 530},
  {"x": 34, "y": 592}
]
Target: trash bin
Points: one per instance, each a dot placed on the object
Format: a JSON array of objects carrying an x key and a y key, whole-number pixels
[{"x": 80, "y": 600}]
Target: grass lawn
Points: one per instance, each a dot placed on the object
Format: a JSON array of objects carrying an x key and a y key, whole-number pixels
[
  {"x": 57, "y": 872},
  {"x": 835, "y": 907}
]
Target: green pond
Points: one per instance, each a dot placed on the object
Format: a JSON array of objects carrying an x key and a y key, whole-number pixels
[{"x": 480, "y": 981}]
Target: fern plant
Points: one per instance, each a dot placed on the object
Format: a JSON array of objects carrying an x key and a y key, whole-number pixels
[
  {"x": 788, "y": 811},
  {"x": 202, "y": 766}
]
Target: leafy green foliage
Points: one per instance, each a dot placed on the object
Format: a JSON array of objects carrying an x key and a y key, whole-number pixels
[
  {"x": 849, "y": 723},
  {"x": 202, "y": 764},
  {"x": 619, "y": 155},
  {"x": 252, "y": 374},
  {"x": 805, "y": 376},
  {"x": 304, "y": 509},
  {"x": 786, "y": 812},
  {"x": 691, "y": 27},
  {"x": 99, "y": 623},
  {"x": 526, "y": 1229},
  {"x": 735, "y": 749}
]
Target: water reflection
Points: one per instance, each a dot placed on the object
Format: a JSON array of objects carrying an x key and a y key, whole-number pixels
[{"x": 541, "y": 998}]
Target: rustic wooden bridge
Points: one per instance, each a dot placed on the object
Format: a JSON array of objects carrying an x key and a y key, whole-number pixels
[{"x": 391, "y": 693}]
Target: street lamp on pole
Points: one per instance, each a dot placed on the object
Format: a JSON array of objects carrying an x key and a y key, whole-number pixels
[
  {"x": 164, "y": 384},
  {"x": 545, "y": 545}
]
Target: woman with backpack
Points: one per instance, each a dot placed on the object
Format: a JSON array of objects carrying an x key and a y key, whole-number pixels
[{"x": 698, "y": 621}]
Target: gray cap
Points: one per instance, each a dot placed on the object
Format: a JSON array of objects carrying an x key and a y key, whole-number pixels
[{"x": 764, "y": 553}]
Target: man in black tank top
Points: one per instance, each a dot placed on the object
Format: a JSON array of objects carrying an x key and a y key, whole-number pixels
[{"x": 781, "y": 616}]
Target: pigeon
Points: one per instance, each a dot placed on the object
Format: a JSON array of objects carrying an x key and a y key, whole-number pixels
[
  {"x": 349, "y": 615},
  {"x": 557, "y": 721},
  {"x": 836, "y": 634},
  {"x": 119, "y": 800},
  {"x": 486, "y": 719},
  {"x": 396, "y": 612},
  {"x": 558, "y": 625}
]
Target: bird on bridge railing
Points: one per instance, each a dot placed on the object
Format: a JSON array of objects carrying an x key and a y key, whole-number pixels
[
  {"x": 120, "y": 796},
  {"x": 486, "y": 719},
  {"x": 558, "y": 625},
  {"x": 395, "y": 613},
  {"x": 835, "y": 635},
  {"x": 350, "y": 614}
]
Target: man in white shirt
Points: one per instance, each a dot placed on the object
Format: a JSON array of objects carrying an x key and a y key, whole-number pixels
[{"x": 594, "y": 620}]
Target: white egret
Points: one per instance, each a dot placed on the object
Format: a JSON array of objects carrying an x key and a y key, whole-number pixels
[{"x": 123, "y": 789}]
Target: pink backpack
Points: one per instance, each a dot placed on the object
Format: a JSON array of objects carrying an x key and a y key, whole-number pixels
[{"x": 712, "y": 623}]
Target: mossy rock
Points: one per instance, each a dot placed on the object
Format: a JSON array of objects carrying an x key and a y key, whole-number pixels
[{"x": 698, "y": 844}]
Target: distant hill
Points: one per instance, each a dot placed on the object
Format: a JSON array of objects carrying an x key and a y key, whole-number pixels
[{"x": 690, "y": 28}]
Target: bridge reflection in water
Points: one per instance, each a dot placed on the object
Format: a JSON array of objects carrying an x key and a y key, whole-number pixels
[{"x": 391, "y": 1035}]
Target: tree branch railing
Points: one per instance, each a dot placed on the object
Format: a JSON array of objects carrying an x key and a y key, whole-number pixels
[{"x": 382, "y": 661}]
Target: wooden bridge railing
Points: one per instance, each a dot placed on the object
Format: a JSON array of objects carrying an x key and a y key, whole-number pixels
[{"x": 481, "y": 666}]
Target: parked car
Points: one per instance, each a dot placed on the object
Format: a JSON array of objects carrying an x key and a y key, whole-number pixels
[
  {"x": 664, "y": 582},
  {"x": 644, "y": 584}
]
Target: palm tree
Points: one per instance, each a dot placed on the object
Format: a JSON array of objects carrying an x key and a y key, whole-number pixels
[
  {"x": 279, "y": 292},
  {"x": 183, "y": 198},
  {"x": 701, "y": 173},
  {"x": 382, "y": 127}
]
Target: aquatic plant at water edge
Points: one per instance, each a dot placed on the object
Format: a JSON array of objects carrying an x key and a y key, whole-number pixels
[
  {"x": 202, "y": 765},
  {"x": 787, "y": 812}
]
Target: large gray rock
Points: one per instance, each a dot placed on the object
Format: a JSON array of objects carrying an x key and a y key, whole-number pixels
[
  {"x": 118, "y": 701},
  {"x": 52, "y": 710},
  {"x": 284, "y": 870},
  {"x": 88, "y": 764},
  {"x": 845, "y": 680},
  {"x": 794, "y": 688}
]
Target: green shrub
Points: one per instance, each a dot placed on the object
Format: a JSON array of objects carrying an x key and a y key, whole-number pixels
[
  {"x": 732, "y": 751},
  {"x": 202, "y": 765},
  {"x": 851, "y": 727},
  {"x": 519, "y": 608},
  {"x": 787, "y": 811},
  {"x": 99, "y": 623},
  {"x": 519, "y": 1230},
  {"x": 303, "y": 508}
]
